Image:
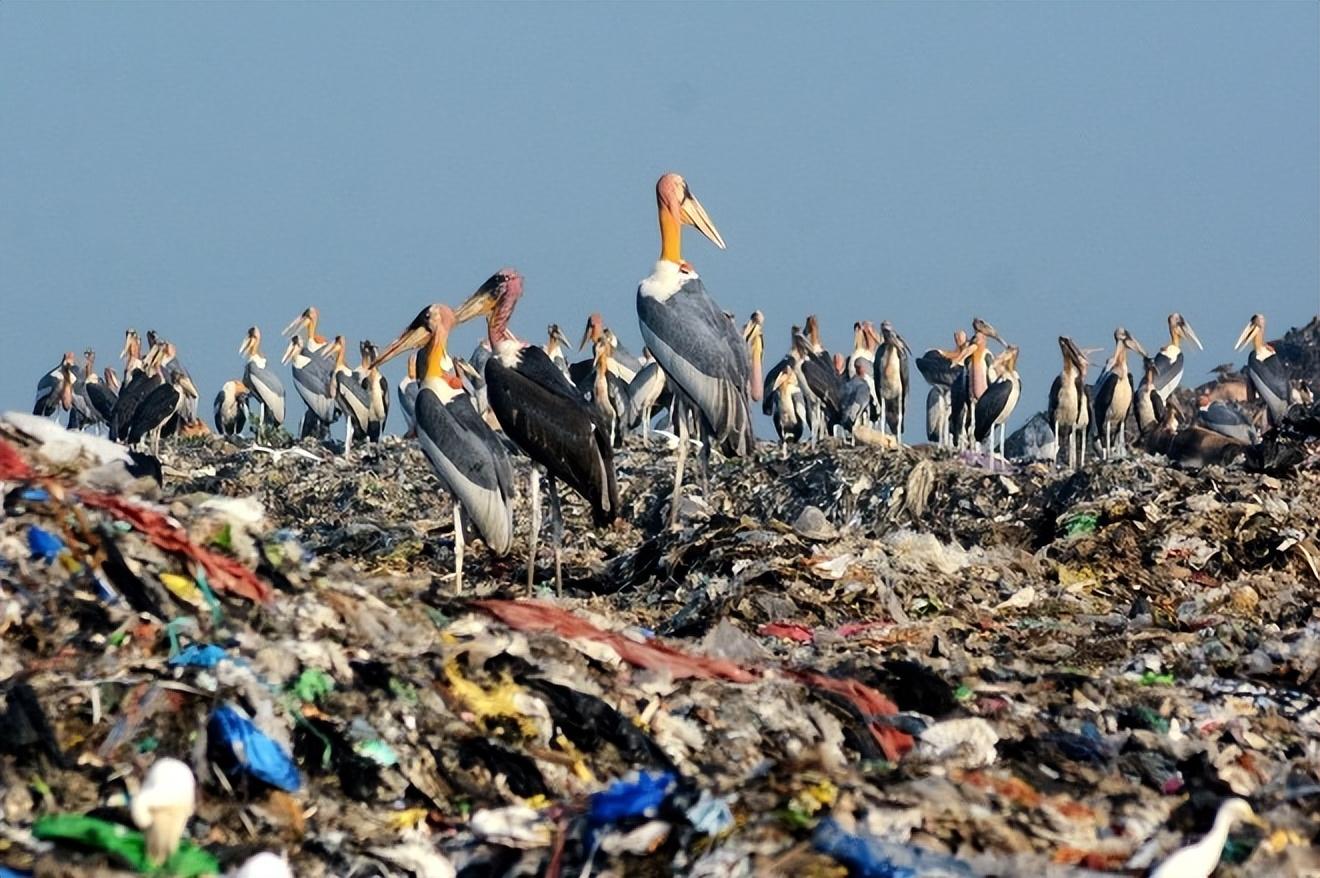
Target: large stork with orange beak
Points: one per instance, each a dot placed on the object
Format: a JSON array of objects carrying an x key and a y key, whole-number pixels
[
  {"x": 544, "y": 415},
  {"x": 314, "y": 379},
  {"x": 261, "y": 381},
  {"x": 465, "y": 454},
  {"x": 696, "y": 344},
  {"x": 1267, "y": 376},
  {"x": 316, "y": 344}
]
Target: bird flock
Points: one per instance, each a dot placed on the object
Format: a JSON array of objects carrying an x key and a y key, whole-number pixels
[{"x": 694, "y": 383}]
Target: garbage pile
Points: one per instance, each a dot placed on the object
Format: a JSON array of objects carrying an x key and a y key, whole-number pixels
[{"x": 850, "y": 661}]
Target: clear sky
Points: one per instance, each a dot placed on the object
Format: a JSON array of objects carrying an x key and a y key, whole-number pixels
[{"x": 1056, "y": 168}]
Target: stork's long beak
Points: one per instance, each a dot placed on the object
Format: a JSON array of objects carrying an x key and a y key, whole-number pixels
[
  {"x": 128, "y": 343},
  {"x": 416, "y": 335},
  {"x": 480, "y": 303},
  {"x": 1133, "y": 345},
  {"x": 298, "y": 323},
  {"x": 187, "y": 386},
  {"x": 1248, "y": 333},
  {"x": 1191, "y": 333},
  {"x": 466, "y": 368},
  {"x": 586, "y": 335},
  {"x": 781, "y": 379},
  {"x": 561, "y": 338},
  {"x": 695, "y": 215},
  {"x": 288, "y": 351}
]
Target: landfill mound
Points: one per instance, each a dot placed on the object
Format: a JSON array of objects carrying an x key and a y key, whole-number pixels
[{"x": 848, "y": 660}]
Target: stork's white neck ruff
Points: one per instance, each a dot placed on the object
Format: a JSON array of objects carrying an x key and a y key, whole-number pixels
[
  {"x": 666, "y": 279},
  {"x": 509, "y": 351}
]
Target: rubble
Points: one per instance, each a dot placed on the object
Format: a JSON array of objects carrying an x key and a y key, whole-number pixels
[{"x": 886, "y": 662}]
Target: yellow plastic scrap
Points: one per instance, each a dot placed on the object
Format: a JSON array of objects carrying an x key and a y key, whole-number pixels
[
  {"x": 407, "y": 819},
  {"x": 1282, "y": 839},
  {"x": 498, "y": 702},
  {"x": 580, "y": 768},
  {"x": 1081, "y": 576},
  {"x": 182, "y": 587},
  {"x": 821, "y": 794}
]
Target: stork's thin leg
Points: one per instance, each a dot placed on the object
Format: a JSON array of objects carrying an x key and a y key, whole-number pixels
[
  {"x": 678, "y": 472},
  {"x": 1122, "y": 438},
  {"x": 348, "y": 437},
  {"x": 557, "y": 533},
  {"x": 534, "y": 499},
  {"x": 458, "y": 547},
  {"x": 703, "y": 455},
  {"x": 884, "y": 420}
]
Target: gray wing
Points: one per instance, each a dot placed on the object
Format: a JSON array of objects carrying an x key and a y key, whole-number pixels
[
  {"x": 315, "y": 392},
  {"x": 1051, "y": 411},
  {"x": 267, "y": 387},
  {"x": 702, "y": 353},
  {"x": 1168, "y": 373},
  {"x": 643, "y": 392},
  {"x": 1229, "y": 421},
  {"x": 856, "y": 399},
  {"x": 465, "y": 464}
]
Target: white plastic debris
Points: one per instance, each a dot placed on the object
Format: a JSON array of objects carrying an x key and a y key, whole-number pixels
[
  {"x": 264, "y": 865},
  {"x": 162, "y": 808},
  {"x": 417, "y": 857},
  {"x": 968, "y": 742},
  {"x": 515, "y": 825}
]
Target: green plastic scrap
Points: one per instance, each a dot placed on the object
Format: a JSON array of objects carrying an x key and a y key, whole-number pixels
[
  {"x": 212, "y": 601},
  {"x": 223, "y": 539},
  {"x": 1080, "y": 523},
  {"x": 377, "y": 751},
  {"x": 402, "y": 690},
  {"x": 313, "y": 684},
  {"x": 125, "y": 845},
  {"x": 963, "y": 693},
  {"x": 1150, "y": 678}
]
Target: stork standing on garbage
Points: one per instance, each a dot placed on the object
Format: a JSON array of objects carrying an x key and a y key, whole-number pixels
[
  {"x": 701, "y": 351},
  {"x": 465, "y": 454}
]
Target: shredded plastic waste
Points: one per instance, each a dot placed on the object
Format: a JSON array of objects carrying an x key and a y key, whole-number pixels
[
  {"x": 127, "y": 846},
  {"x": 251, "y": 750}
]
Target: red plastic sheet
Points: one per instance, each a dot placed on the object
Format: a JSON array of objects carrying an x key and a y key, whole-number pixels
[{"x": 528, "y": 615}]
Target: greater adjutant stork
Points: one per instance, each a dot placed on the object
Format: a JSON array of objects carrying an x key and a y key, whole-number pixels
[
  {"x": 1069, "y": 409},
  {"x": 544, "y": 415},
  {"x": 1114, "y": 392},
  {"x": 1169, "y": 359},
  {"x": 230, "y": 408},
  {"x": 466, "y": 455},
  {"x": 1267, "y": 376},
  {"x": 261, "y": 381},
  {"x": 55, "y": 388},
  {"x": 891, "y": 380},
  {"x": 313, "y": 378},
  {"x": 700, "y": 350}
]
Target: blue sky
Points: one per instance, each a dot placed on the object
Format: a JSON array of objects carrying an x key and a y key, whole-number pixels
[{"x": 1055, "y": 168}]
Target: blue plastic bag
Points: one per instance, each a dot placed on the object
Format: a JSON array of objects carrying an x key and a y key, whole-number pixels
[
  {"x": 253, "y": 751},
  {"x": 195, "y": 655},
  {"x": 869, "y": 857},
  {"x": 43, "y": 544},
  {"x": 639, "y": 795}
]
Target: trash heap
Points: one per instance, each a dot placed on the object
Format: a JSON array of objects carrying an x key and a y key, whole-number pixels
[{"x": 850, "y": 661}]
